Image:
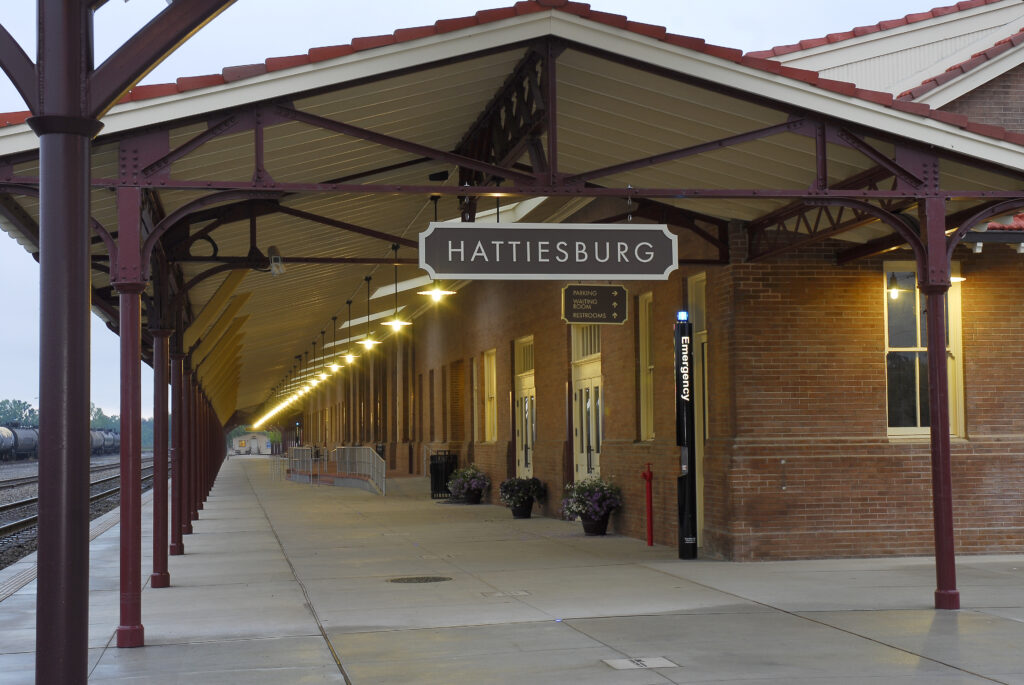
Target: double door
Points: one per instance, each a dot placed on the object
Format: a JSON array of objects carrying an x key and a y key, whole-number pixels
[
  {"x": 587, "y": 407},
  {"x": 526, "y": 424}
]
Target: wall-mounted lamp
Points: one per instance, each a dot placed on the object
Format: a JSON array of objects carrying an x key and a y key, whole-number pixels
[{"x": 893, "y": 287}]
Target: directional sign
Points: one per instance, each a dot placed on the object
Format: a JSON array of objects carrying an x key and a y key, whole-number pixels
[
  {"x": 553, "y": 252},
  {"x": 594, "y": 304}
]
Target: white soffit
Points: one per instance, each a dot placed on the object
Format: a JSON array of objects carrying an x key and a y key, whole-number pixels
[
  {"x": 380, "y": 61},
  {"x": 897, "y": 59},
  {"x": 992, "y": 68}
]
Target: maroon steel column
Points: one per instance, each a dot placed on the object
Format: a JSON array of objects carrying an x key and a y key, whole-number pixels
[
  {"x": 187, "y": 432},
  {"x": 177, "y": 447},
  {"x": 62, "y": 609},
  {"x": 127, "y": 279},
  {"x": 130, "y": 630},
  {"x": 934, "y": 283},
  {"x": 160, "y": 577},
  {"x": 195, "y": 428}
]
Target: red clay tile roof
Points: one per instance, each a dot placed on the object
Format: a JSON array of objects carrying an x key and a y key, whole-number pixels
[
  {"x": 752, "y": 60},
  {"x": 1017, "y": 225},
  {"x": 976, "y": 60},
  {"x": 780, "y": 50}
]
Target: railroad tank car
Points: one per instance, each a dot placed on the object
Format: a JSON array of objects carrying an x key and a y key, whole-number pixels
[
  {"x": 26, "y": 442},
  {"x": 96, "y": 438},
  {"x": 6, "y": 443},
  {"x": 110, "y": 442}
]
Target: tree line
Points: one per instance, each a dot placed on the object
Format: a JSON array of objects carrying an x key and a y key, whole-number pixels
[{"x": 21, "y": 413}]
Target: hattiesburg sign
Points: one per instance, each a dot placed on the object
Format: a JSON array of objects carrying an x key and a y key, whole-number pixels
[{"x": 555, "y": 252}]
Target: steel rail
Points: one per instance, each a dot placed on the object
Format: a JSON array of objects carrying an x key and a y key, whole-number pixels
[
  {"x": 27, "y": 522},
  {"x": 29, "y": 480}
]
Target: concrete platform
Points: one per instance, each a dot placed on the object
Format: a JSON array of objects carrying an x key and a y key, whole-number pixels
[{"x": 289, "y": 583}]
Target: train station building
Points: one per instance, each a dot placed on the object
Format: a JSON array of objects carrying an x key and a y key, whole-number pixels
[{"x": 844, "y": 230}]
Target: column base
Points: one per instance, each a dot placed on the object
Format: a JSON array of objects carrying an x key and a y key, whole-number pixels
[
  {"x": 186, "y": 529},
  {"x": 160, "y": 579},
  {"x": 199, "y": 507},
  {"x": 130, "y": 636},
  {"x": 176, "y": 549},
  {"x": 947, "y": 599}
]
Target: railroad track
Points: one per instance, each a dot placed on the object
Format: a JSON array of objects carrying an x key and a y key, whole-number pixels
[
  {"x": 29, "y": 480},
  {"x": 27, "y": 522}
]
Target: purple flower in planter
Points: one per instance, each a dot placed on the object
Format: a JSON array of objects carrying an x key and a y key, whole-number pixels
[{"x": 592, "y": 498}]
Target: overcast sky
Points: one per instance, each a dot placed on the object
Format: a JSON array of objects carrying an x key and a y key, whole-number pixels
[{"x": 252, "y": 30}]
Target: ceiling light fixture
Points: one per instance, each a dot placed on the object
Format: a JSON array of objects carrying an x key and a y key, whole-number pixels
[
  {"x": 335, "y": 366},
  {"x": 437, "y": 293},
  {"x": 395, "y": 323},
  {"x": 323, "y": 357},
  {"x": 349, "y": 355},
  {"x": 368, "y": 342}
]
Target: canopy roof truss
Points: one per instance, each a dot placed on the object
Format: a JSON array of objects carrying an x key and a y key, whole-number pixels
[{"x": 334, "y": 174}]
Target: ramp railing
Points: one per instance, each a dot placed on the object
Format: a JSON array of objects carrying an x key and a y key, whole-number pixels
[
  {"x": 303, "y": 459},
  {"x": 361, "y": 462}
]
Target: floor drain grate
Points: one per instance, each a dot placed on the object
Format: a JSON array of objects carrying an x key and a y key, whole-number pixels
[
  {"x": 641, "y": 662},
  {"x": 419, "y": 579}
]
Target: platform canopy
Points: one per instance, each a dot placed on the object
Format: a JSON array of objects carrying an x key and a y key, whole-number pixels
[{"x": 548, "y": 108}]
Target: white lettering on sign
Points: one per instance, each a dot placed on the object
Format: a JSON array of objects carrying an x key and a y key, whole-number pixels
[
  {"x": 601, "y": 252},
  {"x": 684, "y": 368}
]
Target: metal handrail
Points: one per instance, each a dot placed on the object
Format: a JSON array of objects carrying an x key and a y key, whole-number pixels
[
  {"x": 362, "y": 462},
  {"x": 302, "y": 459}
]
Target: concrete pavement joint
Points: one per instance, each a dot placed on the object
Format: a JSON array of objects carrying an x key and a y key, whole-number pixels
[
  {"x": 842, "y": 630},
  {"x": 302, "y": 586}
]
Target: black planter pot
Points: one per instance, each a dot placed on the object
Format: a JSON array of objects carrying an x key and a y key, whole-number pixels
[
  {"x": 523, "y": 510},
  {"x": 474, "y": 496},
  {"x": 595, "y": 526}
]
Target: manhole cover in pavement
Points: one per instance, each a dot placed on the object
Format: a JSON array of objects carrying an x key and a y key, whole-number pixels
[{"x": 419, "y": 579}]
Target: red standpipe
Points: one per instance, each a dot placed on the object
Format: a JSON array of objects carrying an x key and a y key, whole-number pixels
[{"x": 648, "y": 477}]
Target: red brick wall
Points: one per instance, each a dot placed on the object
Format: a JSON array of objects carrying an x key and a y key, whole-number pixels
[{"x": 797, "y": 463}]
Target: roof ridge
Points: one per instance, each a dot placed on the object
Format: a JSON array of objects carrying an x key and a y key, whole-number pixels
[
  {"x": 659, "y": 33},
  {"x": 960, "y": 68},
  {"x": 858, "y": 31}
]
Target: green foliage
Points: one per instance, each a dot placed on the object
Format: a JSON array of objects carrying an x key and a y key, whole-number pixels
[
  {"x": 517, "y": 491},
  {"x": 469, "y": 478},
  {"x": 18, "y": 411},
  {"x": 147, "y": 434},
  {"x": 98, "y": 421}
]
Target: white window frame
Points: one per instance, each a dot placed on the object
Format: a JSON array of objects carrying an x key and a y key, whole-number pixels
[
  {"x": 645, "y": 356},
  {"x": 490, "y": 396},
  {"x": 954, "y": 356}
]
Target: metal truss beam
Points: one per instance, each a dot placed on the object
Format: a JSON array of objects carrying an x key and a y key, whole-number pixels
[
  {"x": 799, "y": 223},
  {"x": 19, "y": 68}
]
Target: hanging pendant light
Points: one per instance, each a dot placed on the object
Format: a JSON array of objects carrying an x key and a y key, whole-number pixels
[
  {"x": 436, "y": 293},
  {"x": 335, "y": 366},
  {"x": 313, "y": 380},
  {"x": 395, "y": 322},
  {"x": 350, "y": 356},
  {"x": 368, "y": 342},
  {"x": 323, "y": 357}
]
